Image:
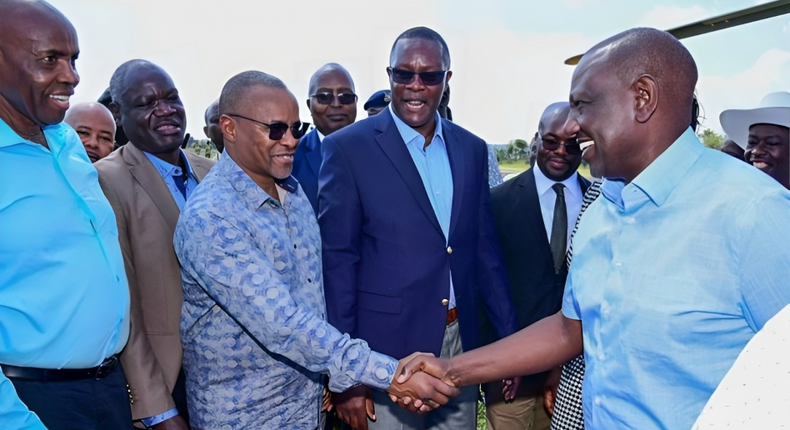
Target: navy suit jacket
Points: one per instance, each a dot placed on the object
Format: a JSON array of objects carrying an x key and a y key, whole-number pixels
[
  {"x": 386, "y": 261},
  {"x": 307, "y": 162},
  {"x": 536, "y": 290}
]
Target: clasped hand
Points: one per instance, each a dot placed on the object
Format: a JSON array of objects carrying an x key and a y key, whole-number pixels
[{"x": 420, "y": 384}]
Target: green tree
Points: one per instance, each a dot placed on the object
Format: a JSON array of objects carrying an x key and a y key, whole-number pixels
[{"x": 711, "y": 139}]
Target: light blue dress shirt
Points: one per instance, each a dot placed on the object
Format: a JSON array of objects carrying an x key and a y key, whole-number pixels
[
  {"x": 171, "y": 174},
  {"x": 672, "y": 275},
  {"x": 437, "y": 177},
  {"x": 261, "y": 259},
  {"x": 64, "y": 298}
]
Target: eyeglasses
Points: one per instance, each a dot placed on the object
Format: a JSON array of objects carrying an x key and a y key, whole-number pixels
[
  {"x": 328, "y": 98},
  {"x": 571, "y": 147},
  {"x": 277, "y": 129},
  {"x": 401, "y": 76}
]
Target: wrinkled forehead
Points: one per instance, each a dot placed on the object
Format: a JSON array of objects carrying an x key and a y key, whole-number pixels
[{"x": 145, "y": 78}]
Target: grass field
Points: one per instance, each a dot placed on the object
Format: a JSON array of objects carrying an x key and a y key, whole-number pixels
[{"x": 510, "y": 169}]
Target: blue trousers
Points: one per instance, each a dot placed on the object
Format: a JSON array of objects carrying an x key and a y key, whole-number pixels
[{"x": 87, "y": 404}]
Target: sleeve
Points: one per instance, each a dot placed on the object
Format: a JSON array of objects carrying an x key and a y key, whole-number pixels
[
  {"x": 13, "y": 413},
  {"x": 228, "y": 263},
  {"x": 570, "y": 307},
  {"x": 147, "y": 383},
  {"x": 494, "y": 174},
  {"x": 340, "y": 220},
  {"x": 764, "y": 257},
  {"x": 493, "y": 277}
]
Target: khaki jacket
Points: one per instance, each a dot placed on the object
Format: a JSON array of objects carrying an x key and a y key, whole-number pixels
[{"x": 146, "y": 215}]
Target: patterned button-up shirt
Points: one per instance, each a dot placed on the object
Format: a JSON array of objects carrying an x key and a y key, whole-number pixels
[{"x": 261, "y": 260}]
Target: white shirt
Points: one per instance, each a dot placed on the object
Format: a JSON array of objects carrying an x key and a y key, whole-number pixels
[
  {"x": 320, "y": 135},
  {"x": 547, "y": 196},
  {"x": 755, "y": 393}
]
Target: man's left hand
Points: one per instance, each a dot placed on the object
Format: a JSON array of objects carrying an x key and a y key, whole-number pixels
[{"x": 509, "y": 388}]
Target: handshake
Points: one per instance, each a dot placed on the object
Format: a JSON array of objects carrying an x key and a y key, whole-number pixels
[{"x": 422, "y": 383}]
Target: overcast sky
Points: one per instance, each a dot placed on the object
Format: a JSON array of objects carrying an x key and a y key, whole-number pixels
[{"x": 507, "y": 56}]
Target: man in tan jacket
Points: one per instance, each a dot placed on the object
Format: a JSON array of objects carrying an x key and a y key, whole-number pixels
[{"x": 147, "y": 182}]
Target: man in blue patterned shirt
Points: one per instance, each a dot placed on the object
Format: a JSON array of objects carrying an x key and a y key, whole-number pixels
[{"x": 256, "y": 340}]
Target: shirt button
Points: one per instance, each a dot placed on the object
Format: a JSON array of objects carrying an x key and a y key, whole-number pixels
[
  {"x": 598, "y": 401},
  {"x": 449, "y": 249},
  {"x": 445, "y": 302},
  {"x": 309, "y": 280},
  {"x": 294, "y": 246}
]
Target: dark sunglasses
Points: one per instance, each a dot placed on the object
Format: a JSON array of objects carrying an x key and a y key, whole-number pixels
[
  {"x": 277, "y": 129},
  {"x": 401, "y": 76},
  {"x": 572, "y": 146},
  {"x": 328, "y": 98}
]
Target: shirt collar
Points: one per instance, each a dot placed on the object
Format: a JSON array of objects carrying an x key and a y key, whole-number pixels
[
  {"x": 54, "y": 133},
  {"x": 166, "y": 169},
  {"x": 408, "y": 134},
  {"x": 247, "y": 189},
  {"x": 663, "y": 175},
  {"x": 320, "y": 135},
  {"x": 542, "y": 183}
]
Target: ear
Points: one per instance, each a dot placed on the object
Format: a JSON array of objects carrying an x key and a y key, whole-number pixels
[
  {"x": 447, "y": 78},
  {"x": 205, "y": 131},
  {"x": 646, "y": 98},
  {"x": 308, "y": 104},
  {"x": 228, "y": 127},
  {"x": 115, "y": 108}
]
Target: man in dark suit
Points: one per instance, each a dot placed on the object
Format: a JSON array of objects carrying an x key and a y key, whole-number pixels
[
  {"x": 409, "y": 245},
  {"x": 333, "y": 105},
  {"x": 534, "y": 215}
]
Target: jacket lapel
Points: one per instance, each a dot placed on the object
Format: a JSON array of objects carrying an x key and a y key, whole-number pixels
[
  {"x": 200, "y": 165},
  {"x": 394, "y": 147},
  {"x": 532, "y": 213},
  {"x": 153, "y": 184},
  {"x": 313, "y": 155},
  {"x": 457, "y": 156}
]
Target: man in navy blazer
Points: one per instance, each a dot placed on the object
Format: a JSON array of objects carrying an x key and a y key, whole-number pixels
[
  {"x": 409, "y": 244},
  {"x": 333, "y": 105}
]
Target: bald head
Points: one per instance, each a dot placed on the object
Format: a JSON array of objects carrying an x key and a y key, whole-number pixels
[
  {"x": 212, "y": 129},
  {"x": 632, "y": 95},
  {"x": 95, "y": 126},
  {"x": 650, "y": 52},
  {"x": 328, "y": 68},
  {"x": 553, "y": 114},
  {"x": 34, "y": 93},
  {"x": 235, "y": 90}
]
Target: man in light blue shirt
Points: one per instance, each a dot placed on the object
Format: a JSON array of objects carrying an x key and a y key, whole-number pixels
[
  {"x": 64, "y": 300},
  {"x": 678, "y": 264}
]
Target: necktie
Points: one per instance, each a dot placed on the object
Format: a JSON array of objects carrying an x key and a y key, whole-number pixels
[{"x": 559, "y": 228}]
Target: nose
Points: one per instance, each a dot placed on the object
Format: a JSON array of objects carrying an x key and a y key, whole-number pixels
[
  {"x": 69, "y": 74},
  {"x": 335, "y": 101},
  {"x": 163, "y": 108},
  {"x": 91, "y": 142},
  {"x": 571, "y": 126},
  {"x": 416, "y": 83}
]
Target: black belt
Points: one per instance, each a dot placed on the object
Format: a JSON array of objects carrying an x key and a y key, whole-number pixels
[{"x": 60, "y": 375}]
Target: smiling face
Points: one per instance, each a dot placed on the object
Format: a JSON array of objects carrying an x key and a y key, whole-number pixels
[
  {"x": 558, "y": 165},
  {"x": 767, "y": 150},
  {"x": 602, "y": 108},
  {"x": 334, "y": 116},
  {"x": 150, "y": 110},
  {"x": 95, "y": 126},
  {"x": 248, "y": 143},
  {"x": 416, "y": 103},
  {"x": 38, "y": 52}
]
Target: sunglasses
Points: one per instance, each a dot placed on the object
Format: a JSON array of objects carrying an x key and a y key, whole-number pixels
[
  {"x": 277, "y": 129},
  {"x": 401, "y": 76},
  {"x": 328, "y": 98},
  {"x": 571, "y": 147}
]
